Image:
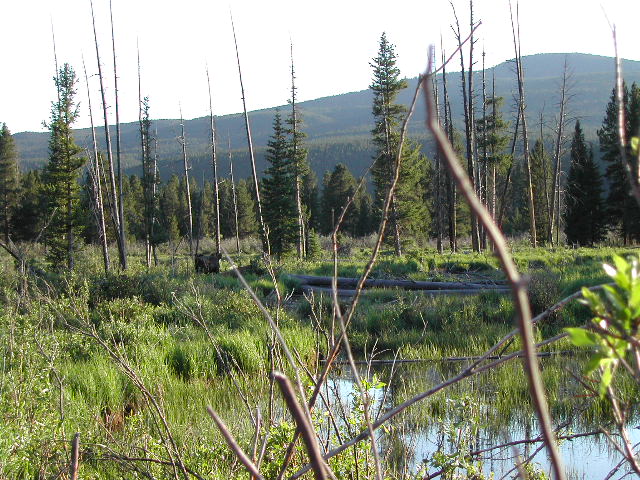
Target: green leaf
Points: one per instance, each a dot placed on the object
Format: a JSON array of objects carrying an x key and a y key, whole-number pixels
[
  {"x": 623, "y": 274},
  {"x": 635, "y": 143},
  {"x": 594, "y": 362},
  {"x": 618, "y": 302},
  {"x": 580, "y": 337},
  {"x": 605, "y": 381}
]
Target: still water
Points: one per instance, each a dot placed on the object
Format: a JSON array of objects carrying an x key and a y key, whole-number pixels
[{"x": 483, "y": 412}]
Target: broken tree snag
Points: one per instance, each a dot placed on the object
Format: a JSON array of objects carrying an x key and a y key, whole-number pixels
[{"x": 207, "y": 263}]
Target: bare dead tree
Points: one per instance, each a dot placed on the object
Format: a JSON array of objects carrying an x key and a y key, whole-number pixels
[
  {"x": 451, "y": 188},
  {"x": 515, "y": 28},
  {"x": 123, "y": 224},
  {"x": 294, "y": 156},
  {"x": 468, "y": 112},
  {"x": 214, "y": 165},
  {"x": 233, "y": 196},
  {"x": 484, "y": 173},
  {"x": 545, "y": 181},
  {"x": 494, "y": 118},
  {"x": 559, "y": 140},
  {"x": 263, "y": 231},
  {"x": 154, "y": 193},
  {"x": 149, "y": 171},
  {"x": 438, "y": 194},
  {"x": 185, "y": 163},
  {"x": 95, "y": 174},
  {"x": 113, "y": 197}
]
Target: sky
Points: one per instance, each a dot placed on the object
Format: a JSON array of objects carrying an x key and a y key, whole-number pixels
[{"x": 333, "y": 43}]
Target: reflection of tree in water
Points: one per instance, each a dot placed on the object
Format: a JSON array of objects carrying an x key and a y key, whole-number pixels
[{"x": 499, "y": 409}]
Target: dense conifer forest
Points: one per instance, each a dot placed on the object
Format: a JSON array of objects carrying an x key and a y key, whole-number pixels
[{"x": 409, "y": 282}]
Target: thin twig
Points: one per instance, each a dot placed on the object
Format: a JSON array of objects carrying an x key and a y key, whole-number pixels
[
  {"x": 233, "y": 445},
  {"x": 320, "y": 468}
]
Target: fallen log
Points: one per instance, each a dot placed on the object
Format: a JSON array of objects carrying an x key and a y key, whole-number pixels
[
  {"x": 343, "y": 292},
  {"x": 345, "y": 282}
]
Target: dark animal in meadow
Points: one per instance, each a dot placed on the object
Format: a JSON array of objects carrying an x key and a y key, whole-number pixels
[{"x": 207, "y": 263}]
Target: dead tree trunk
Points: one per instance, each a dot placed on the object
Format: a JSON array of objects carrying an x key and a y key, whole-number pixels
[
  {"x": 476, "y": 227},
  {"x": 235, "y": 200},
  {"x": 451, "y": 189},
  {"x": 115, "y": 213},
  {"x": 214, "y": 164},
  {"x": 263, "y": 231},
  {"x": 154, "y": 195},
  {"x": 494, "y": 117},
  {"x": 438, "y": 196},
  {"x": 484, "y": 193},
  {"x": 94, "y": 172},
  {"x": 555, "y": 200},
  {"x": 148, "y": 170},
  {"x": 523, "y": 120},
  {"x": 295, "y": 154},
  {"x": 123, "y": 231},
  {"x": 471, "y": 170},
  {"x": 545, "y": 183},
  {"x": 185, "y": 163}
]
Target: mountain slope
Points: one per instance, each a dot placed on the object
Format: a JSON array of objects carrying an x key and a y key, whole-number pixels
[{"x": 338, "y": 126}]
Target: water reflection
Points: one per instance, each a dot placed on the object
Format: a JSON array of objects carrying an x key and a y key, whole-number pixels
[{"x": 483, "y": 412}]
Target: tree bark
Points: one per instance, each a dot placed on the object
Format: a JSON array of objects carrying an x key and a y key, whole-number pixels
[
  {"x": 183, "y": 142},
  {"x": 235, "y": 201},
  {"x": 263, "y": 231},
  {"x": 451, "y": 189},
  {"x": 94, "y": 172},
  {"x": 115, "y": 212},
  {"x": 555, "y": 201},
  {"x": 214, "y": 164},
  {"x": 298, "y": 180},
  {"x": 523, "y": 120},
  {"x": 123, "y": 224}
]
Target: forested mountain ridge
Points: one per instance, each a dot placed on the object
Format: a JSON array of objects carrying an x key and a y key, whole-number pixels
[{"x": 338, "y": 127}]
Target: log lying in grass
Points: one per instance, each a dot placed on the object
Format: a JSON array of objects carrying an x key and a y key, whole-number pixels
[
  {"x": 345, "y": 282},
  {"x": 343, "y": 292}
]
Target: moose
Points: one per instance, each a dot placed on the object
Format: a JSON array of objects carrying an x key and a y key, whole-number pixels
[{"x": 207, "y": 263}]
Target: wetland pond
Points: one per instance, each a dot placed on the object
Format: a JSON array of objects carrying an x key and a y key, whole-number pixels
[{"x": 479, "y": 413}]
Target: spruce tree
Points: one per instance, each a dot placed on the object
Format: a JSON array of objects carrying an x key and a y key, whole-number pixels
[
  {"x": 387, "y": 114},
  {"x": 279, "y": 192},
  {"x": 339, "y": 187},
  {"x": 585, "y": 213},
  {"x": 61, "y": 187},
  {"x": 247, "y": 217},
  {"x": 9, "y": 182},
  {"x": 623, "y": 212},
  {"x": 31, "y": 208}
]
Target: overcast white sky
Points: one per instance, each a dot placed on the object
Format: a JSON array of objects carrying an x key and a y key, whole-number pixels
[{"x": 334, "y": 41}]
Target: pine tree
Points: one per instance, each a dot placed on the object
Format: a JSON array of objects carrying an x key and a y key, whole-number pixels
[
  {"x": 31, "y": 208},
  {"x": 387, "y": 116},
  {"x": 9, "y": 182},
  {"x": 61, "y": 174},
  {"x": 247, "y": 217},
  {"x": 279, "y": 192},
  {"x": 585, "y": 213},
  {"x": 339, "y": 187},
  {"x": 622, "y": 210}
]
